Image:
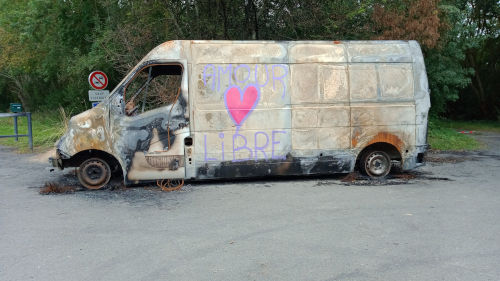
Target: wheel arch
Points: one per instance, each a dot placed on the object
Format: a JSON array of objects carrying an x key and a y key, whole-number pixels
[
  {"x": 77, "y": 159},
  {"x": 386, "y": 147}
]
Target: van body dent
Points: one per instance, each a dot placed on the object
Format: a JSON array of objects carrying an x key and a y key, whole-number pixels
[{"x": 255, "y": 108}]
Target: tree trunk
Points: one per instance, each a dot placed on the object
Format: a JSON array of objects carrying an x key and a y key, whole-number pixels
[
  {"x": 18, "y": 88},
  {"x": 224, "y": 15},
  {"x": 477, "y": 87}
]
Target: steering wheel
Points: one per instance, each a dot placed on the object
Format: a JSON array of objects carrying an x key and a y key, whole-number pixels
[{"x": 131, "y": 108}]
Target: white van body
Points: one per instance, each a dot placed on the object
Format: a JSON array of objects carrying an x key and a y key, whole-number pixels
[{"x": 258, "y": 108}]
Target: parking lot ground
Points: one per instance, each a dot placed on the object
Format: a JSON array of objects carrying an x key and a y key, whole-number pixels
[{"x": 439, "y": 222}]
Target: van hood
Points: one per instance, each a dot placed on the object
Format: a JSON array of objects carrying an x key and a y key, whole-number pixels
[{"x": 87, "y": 130}]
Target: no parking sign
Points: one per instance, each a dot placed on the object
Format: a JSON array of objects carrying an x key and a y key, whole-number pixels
[{"x": 98, "y": 80}]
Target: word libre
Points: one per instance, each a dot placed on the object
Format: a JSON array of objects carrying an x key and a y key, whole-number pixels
[{"x": 256, "y": 152}]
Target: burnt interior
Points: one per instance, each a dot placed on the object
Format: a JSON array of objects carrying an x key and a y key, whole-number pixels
[{"x": 152, "y": 87}]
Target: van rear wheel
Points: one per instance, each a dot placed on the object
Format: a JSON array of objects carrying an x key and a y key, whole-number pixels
[
  {"x": 94, "y": 173},
  {"x": 375, "y": 164}
]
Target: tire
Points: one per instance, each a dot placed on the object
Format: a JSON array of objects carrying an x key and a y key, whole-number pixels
[
  {"x": 375, "y": 164},
  {"x": 94, "y": 173}
]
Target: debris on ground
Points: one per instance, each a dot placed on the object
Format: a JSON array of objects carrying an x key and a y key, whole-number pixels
[
  {"x": 404, "y": 176},
  {"x": 350, "y": 177},
  {"x": 170, "y": 185},
  {"x": 52, "y": 187}
]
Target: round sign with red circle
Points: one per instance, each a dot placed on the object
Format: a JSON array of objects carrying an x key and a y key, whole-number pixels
[{"x": 98, "y": 80}]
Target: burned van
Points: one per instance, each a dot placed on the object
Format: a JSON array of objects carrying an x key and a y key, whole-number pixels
[{"x": 231, "y": 109}]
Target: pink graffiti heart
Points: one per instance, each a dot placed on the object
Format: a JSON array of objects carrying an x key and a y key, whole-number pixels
[{"x": 240, "y": 104}]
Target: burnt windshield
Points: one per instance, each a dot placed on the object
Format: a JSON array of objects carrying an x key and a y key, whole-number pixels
[{"x": 153, "y": 87}]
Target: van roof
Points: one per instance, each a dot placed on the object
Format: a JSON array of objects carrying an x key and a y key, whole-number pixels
[{"x": 226, "y": 51}]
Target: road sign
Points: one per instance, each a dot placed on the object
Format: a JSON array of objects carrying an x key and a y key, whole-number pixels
[
  {"x": 98, "y": 95},
  {"x": 98, "y": 80}
]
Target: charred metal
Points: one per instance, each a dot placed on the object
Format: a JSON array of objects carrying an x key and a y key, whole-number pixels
[{"x": 279, "y": 108}]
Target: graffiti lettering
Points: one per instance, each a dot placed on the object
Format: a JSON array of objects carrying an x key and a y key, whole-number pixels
[
  {"x": 248, "y": 72},
  {"x": 240, "y": 103},
  {"x": 279, "y": 78},
  {"x": 260, "y": 148},
  {"x": 256, "y": 152},
  {"x": 276, "y": 142},
  {"x": 228, "y": 71},
  {"x": 215, "y": 73},
  {"x": 206, "y": 158},
  {"x": 206, "y": 76},
  {"x": 243, "y": 147},
  {"x": 221, "y": 136}
]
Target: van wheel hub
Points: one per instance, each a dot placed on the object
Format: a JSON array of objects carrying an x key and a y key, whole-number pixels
[
  {"x": 377, "y": 164},
  {"x": 94, "y": 173}
]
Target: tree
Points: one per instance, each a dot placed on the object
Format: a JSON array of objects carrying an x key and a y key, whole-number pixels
[
  {"x": 481, "y": 99},
  {"x": 48, "y": 47}
]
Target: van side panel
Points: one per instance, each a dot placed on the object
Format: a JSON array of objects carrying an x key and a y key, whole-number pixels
[
  {"x": 382, "y": 105},
  {"x": 382, "y": 96},
  {"x": 309, "y": 107},
  {"x": 320, "y": 113}
]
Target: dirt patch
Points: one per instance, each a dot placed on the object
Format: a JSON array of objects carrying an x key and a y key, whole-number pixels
[
  {"x": 435, "y": 156},
  {"x": 444, "y": 159},
  {"x": 43, "y": 157}
]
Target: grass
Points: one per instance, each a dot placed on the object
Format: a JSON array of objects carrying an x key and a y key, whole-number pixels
[
  {"x": 47, "y": 129},
  {"x": 445, "y": 134},
  {"x": 490, "y": 126}
]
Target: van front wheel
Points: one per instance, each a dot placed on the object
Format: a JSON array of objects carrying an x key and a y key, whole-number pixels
[
  {"x": 94, "y": 173},
  {"x": 376, "y": 164}
]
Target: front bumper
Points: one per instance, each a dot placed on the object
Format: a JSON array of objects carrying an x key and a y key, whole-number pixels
[
  {"x": 59, "y": 160},
  {"x": 56, "y": 162}
]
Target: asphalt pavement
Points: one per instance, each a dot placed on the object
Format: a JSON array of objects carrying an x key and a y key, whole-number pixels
[{"x": 440, "y": 222}]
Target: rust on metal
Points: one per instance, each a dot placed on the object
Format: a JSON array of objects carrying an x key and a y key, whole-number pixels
[
  {"x": 354, "y": 139},
  {"x": 385, "y": 137}
]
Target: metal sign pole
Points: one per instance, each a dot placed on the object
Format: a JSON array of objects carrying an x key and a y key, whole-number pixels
[
  {"x": 15, "y": 128},
  {"x": 30, "y": 132}
]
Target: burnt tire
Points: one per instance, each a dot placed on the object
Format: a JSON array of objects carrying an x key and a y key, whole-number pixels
[
  {"x": 94, "y": 173},
  {"x": 375, "y": 164}
]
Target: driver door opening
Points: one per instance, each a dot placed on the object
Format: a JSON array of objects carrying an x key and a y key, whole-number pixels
[
  {"x": 152, "y": 106},
  {"x": 153, "y": 87}
]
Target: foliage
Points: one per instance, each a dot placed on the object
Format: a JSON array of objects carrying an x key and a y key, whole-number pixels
[
  {"x": 446, "y": 72},
  {"x": 445, "y": 138},
  {"x": 481, "y": 97},
  {"x": 411, "y": 20},
  {"x": 48, "y": 47}
]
